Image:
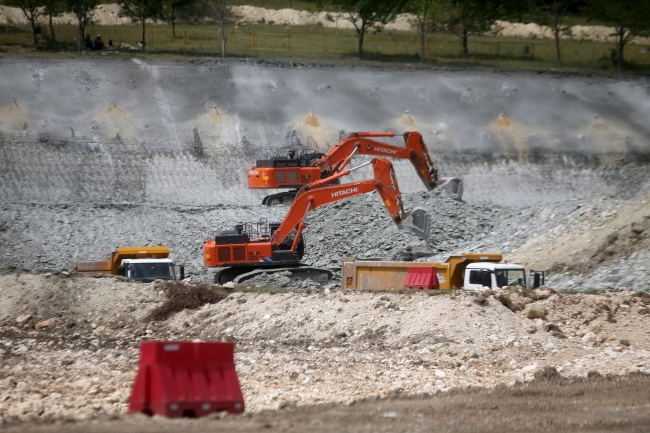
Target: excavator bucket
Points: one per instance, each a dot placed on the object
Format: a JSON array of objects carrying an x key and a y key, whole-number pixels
[
  {"x": 418, "y": 222},
  {"x": 452, "y": 185}
]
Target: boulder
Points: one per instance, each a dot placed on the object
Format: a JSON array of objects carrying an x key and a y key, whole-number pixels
[
  {"x": 49, "y": 323},
  {"x": 535, "y": 311}
]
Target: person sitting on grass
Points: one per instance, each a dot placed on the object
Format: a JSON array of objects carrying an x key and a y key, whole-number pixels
[
  {"x": 88, "y": 43},
  {"x": 99, "y": 43}
]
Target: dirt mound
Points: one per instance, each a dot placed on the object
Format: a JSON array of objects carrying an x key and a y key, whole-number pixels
[
  {"x": 180, "y": 296},
  {"x": 605, "y": 233},
  {"x": 103, "y": 15},
  {"x": 300, "y": 348}
]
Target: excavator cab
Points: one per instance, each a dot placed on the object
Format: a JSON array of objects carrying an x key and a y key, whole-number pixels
[{"x": 285, "y": 246}]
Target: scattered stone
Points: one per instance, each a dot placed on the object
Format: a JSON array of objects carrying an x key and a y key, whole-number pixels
[
  {"x": 535, "y": 311},
  {"x": 49, "y": 323},
  {"x": 23, "y": 319}
]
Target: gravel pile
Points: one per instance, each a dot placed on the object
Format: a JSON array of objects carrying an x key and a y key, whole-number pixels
[
  {"x": 362, "y": 227},
  {"x": 565, "y": 238},
  {"x": 358, "y": 227}
]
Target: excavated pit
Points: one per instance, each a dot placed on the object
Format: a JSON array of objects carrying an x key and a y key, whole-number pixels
[{"x": 97, "y": 154}]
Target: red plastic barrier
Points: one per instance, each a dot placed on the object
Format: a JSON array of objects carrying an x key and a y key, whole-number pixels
[
  {"x": 178, "y": 379},
  {"x": 422, "y": 277}
]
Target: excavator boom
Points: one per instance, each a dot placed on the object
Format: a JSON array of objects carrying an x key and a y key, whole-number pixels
[
  {"x": 295, "y": 172},
  {"x": 361, "y": 143},
  {"x": 316, "y": 195}
]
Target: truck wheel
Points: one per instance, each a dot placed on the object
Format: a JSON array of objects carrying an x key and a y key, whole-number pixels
[{"x": 275, "y": 201}]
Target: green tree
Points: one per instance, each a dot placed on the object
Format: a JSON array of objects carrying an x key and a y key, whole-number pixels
[
  {"x": 469, "y": 17},
  {"x": 171, "y": 9},
  {"x": 141, "y": 11},
  {"x": 222, "y": 11},
  {"x": 427, "y": 14},
  {"x": 552, "y": 13},
  {"x": 83, "y": 10},
  {"x": 53, "y": 8},
  {"x": 32, "y": 9},
  {"x": 630, "y": 18},
  {"x": 368, "y": 15}
]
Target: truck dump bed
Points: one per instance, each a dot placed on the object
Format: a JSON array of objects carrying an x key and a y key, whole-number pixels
[
  {"x": 381, "y": 275},
  {"x": 111, "y": 266},
  {"x": 100, "y": 267}
]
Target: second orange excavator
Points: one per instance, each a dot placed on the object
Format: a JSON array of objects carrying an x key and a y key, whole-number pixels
[
  {"x": 275, "y": 247},
  {"x": 295, "y": 171}
]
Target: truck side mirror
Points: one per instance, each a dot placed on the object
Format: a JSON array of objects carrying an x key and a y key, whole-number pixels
[
  {"x": 121, "y": 271},
  {"x": 181, "y": 270},
  {"x": 536, "y": 280}
]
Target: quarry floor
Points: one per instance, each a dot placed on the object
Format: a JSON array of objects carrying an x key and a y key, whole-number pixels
[
  {"x": 382, "y": 361},
  {"x": 597, "y": 404}
]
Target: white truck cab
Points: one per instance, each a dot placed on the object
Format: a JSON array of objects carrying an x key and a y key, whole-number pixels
[
  {"x": 147, "y": 270},
  {"x": 488, "y": 275}
]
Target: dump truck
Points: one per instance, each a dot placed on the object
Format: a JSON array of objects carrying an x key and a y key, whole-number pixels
[
  {"x": 469, "y": 271},
  {"x": 143, "y": 264}
]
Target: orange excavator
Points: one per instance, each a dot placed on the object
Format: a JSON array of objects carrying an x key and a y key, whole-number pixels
[
  {"x": 293, "y": 172},
  {"x": 261, "y": 247}
]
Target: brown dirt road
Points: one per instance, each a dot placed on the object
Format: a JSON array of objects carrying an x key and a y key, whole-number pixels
[{"x": 549, "y": 404}]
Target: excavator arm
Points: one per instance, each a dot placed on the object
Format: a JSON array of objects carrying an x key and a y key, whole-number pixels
[
  {"x": 319, "y": 193},
  {"x": 361, "y": 143}
]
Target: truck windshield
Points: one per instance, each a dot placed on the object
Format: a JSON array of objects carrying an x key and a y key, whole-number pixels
[
  {"x": 152, "y": 271},
  {"x": 510, "y": 277}
]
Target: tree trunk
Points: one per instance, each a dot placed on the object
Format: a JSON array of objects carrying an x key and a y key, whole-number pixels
[
  {"x": 361, "y": 34},
  {"x": 465, "y": 50},
  {"x": 423, "y": 41},
  {"x": 173, "y": 24},
  {"x": 81, "y": 35},
  {"x": 224, "y": 36},
  {"x": 52, "y": 30},
  {"x": 556, "y": 31},
  {"x": 83, "y": 25},
  {"x": 32, "y": 21},
  {"x": 621, "y": 47},
  {"x": 144, "y": 42}
]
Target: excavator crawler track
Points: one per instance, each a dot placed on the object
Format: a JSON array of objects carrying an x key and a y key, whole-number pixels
[
  {"x": 282, "y": 198},
  {"x": 239, "y": 275}
]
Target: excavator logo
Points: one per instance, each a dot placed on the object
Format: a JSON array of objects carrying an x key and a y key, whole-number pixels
[
  {"x": 384, "y": 150},
  {"x": 344, "y": 192}
]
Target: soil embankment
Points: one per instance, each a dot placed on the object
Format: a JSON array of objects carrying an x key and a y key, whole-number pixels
[{"x": 305, "y": 347}]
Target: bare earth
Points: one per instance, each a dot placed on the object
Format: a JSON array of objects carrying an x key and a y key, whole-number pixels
[
  {"x": 337, "y": 349},
  {"x": 596, "y": 404}
]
